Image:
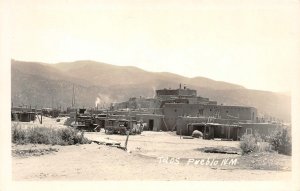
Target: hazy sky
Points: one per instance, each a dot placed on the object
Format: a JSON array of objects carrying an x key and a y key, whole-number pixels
[{"x": 251, "y": 43}]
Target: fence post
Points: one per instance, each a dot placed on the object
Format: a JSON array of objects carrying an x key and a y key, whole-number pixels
[{"x": 127, "y": 132}]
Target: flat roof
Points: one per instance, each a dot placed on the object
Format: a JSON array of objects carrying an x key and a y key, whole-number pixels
[
  {"x": 149, "y": 114},
  {"x": 216, "y": 124},
  {"x": 207, "y": 104}
]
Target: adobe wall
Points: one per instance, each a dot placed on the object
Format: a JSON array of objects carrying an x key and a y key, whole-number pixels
[
  {"x": 182, "y": 122},
  {"x": 231, "y": 112},
  {"x": 157, "y": 121},
  {"x": 240, "y": 113}
]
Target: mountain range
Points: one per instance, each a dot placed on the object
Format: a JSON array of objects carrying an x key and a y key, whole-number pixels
[{"x": 51, "y": 85}]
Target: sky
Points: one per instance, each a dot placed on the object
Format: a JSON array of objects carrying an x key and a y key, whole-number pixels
[{"x": 251, "y": 43}]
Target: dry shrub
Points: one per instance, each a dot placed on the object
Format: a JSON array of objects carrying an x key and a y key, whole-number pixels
[
  {"x": 43, "y": 135},
  {"x": 281, "y": 142},
  {"x": 278, "y": 141},
  {"x": 264, "y": 146},
  {"x": 248, "y": 143},
  {"x": 254, "y": 143},
  {"x": 18, "y": 135}
]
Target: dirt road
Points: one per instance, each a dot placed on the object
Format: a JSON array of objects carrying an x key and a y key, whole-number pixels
[{"x": 145, "y": 160}]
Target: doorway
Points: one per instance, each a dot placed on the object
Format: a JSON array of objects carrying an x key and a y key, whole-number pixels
[{"x": 151, "y": 124}]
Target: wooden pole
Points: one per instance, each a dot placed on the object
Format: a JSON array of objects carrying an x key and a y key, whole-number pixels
[
  {"x": 165, "y": 123},
  {"x": 75, "y": 116},
  {"x": 41, "y": 117},
  {"x": 204, "y": 135},
  {"x": 180, "y": 131},
  {"x": 74, "y": 95},
  {"x": 37, "y": 116},
  {"x": 127, "y": 133}
]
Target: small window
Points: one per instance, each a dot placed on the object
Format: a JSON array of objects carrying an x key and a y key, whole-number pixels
[
  {"x": 200, "y": 111},
  {"x": 175, "y": 110},
  {"x": 227, "y": 111},
  {"x": 248, "y": 131}
]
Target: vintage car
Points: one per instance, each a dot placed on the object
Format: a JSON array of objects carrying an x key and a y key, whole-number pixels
[
  {"x": 120, "y": 126},
  {"x": 86, "y": 123}
]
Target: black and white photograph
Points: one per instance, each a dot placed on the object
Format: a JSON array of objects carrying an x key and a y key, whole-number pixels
[{"x": 159, "y": 91}]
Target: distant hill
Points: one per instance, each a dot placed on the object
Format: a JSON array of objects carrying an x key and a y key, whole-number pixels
[{"x": 47, "y": 85}]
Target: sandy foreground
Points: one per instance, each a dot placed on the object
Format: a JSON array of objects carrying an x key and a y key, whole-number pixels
[{"x": 150, "y": 156}]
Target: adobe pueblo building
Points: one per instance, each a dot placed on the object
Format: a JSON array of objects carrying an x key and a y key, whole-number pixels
[{"x": 183, "y": 111}]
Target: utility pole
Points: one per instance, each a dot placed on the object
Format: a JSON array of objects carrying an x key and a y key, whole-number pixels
[
  {"x": 73, "y": 97},
  {"x": 52, "y": 101}
]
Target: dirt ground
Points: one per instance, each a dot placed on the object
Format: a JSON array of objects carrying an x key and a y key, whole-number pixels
[
  {"x": 150, "y": 156},
  {"x": 47, "y": 122}
]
